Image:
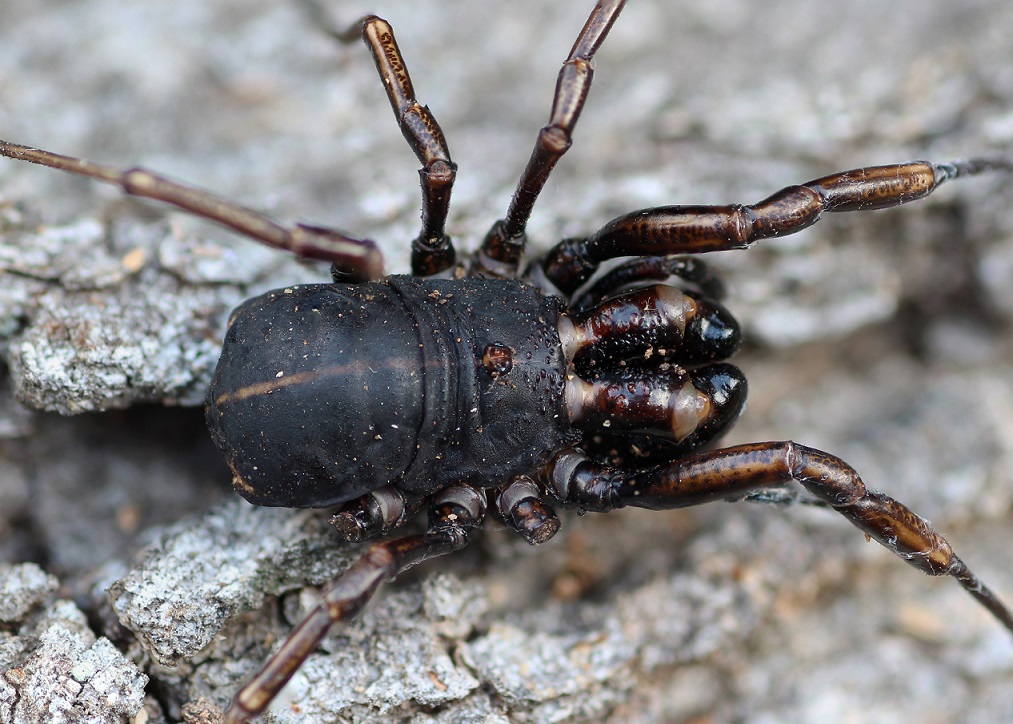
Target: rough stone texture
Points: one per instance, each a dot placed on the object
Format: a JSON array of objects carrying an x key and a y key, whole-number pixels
[
  {"x": 108, "y": 315},
  {"x": 55, "y": 669},
  {"x": 883, "y": 337},
  {"x": 23, "y": 588},
  {"x": 237, "y": 555}
]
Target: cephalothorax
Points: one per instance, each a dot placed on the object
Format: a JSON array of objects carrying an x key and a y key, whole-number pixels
[{"x": 482, "y": 384}]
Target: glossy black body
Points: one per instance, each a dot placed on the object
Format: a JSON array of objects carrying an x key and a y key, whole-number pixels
[{"x": 326, "y": 392}]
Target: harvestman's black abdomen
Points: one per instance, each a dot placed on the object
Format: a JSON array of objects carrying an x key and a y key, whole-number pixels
[{"x": 326, "y": 392}]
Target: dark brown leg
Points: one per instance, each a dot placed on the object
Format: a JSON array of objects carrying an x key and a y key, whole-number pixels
[
  {"x": 432, "y": 250},
  {"x": 360, "y": 256},
  {"x": 521, "y": 505},
  {"x": 698, "y": 229},
  {"x": 637, "y": 272},
  {"x": 375, "y": 514},
  {"x": 504, "y": 244},
  {"x": 735, "y": 472},
  {"x": 455, "y": 513},
  {"x": 648, "y": 324}
]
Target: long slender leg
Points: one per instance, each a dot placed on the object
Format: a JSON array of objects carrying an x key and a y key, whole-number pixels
[
  {"x": 698, "y": 229},
  {"x": 734, "y": 472},
  {"x": 361, "y": 257},
  {"x": 455, "y": 513},
  {"x": 504, "y": 244},
  {"x": 432, "y": 250}
]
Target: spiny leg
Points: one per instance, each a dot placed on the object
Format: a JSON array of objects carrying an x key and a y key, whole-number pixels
[
  {"x": 454, "y": 515},
  {"x": 698, "y": 229},
  {"x": 432, "y": 251},
  {"x": 504, "y": 244},
  {"x": 359, "y": 256},
  {"x": 734, "y": 472}
]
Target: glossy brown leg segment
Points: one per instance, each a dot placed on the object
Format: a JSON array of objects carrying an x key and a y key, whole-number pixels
[
  {"x": 375, "y": 514},
  {"x": 504, "y": 244},
  {"x": 684, "y": 406},
  {"x": 698, "y": 229},
  {"x": 520, "y": 503},
  {"x": 646, "y": 325},
  {"x": 359, "y": 256},
  {"x": 637, "y": 272},
  {"x": 432, "y": 250},
  {"x": 734, "y": 472},
  {"x": 454, "y": 515}
]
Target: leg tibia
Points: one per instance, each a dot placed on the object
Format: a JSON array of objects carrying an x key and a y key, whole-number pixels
[
  {"x": 359, "y": 257},
  {"x": 700, "y": 229}
]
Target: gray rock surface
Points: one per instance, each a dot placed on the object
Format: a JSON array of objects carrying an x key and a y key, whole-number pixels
[
  {"x": 55, "y": 668},
  {"x": 883, "y": 337}
]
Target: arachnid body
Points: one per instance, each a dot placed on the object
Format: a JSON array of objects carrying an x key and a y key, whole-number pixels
[{"x": 607, "y": 371}]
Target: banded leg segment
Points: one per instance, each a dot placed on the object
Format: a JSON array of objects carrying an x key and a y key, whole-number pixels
[
  {"x": 699, "y": 229},
  {"x": 734, "y": 472},
  {"x": 360, "y": 256},
  {"x": 635, "y": 361},
  {"x": 690, "y": 407},
  {"x": 454, "y": 515},
  {"x": 504, "y": 244}
]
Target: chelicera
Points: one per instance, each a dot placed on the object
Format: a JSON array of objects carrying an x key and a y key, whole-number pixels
[{"x": 487, "y": 384}]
